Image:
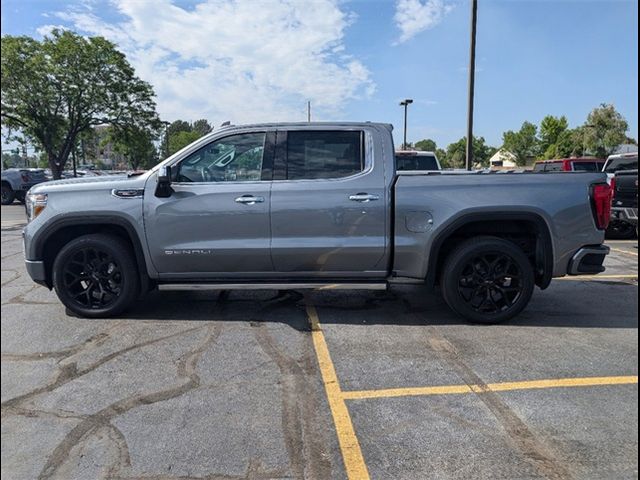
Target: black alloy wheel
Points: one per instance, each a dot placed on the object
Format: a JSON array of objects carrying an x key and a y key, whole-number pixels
[
  {"x": 96, "y": 275},
  {"x": 487, "y": 280},
  {"x": 92, "y": 278},
  {"x": 490, "y": 283}
]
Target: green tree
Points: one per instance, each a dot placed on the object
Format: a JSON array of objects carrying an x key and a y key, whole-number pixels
[
  {"x": 57, "y": 88},
  {"x": 426, "y": 145},
  {"x": 178, "y": 126},
  {"x": 456, "y": 156},
  {"x": 201, "y": 126},
  {"x": 181, "y": 140},
  {"x": 523, "y": 143},
  {"x": 550, "y": 130},
  {"x": 136, "y": 145},
  {"x": 604, "y": 130},
  {"x": 570, "y": 143}
]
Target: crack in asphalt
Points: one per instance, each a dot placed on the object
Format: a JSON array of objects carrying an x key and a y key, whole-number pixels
[
  {"x": 299, "y": 404},
  {"x": 69, "y": 372},
  {"x": 520, "y": 436},
  {"x": 102, "y": 419}
]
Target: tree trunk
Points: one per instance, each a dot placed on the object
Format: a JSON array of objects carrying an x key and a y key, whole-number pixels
[{"x": 55, "y": 166}]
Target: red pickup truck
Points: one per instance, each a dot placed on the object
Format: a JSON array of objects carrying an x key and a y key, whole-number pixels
[{"x": 582, "y": 164}]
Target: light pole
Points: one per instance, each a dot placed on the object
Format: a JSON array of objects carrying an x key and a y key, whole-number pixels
[
  {"x": 405, "y": 103},
  {"x": 472, "y": 74}
]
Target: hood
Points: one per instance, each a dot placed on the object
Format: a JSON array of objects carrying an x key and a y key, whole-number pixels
[{"x": 90, "y": 183}]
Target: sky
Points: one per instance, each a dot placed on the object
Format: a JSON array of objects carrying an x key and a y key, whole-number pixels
[{"x": 262, "y": 60}]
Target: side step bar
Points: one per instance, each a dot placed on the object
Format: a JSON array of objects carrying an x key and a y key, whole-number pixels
[{"x": 272, "y": 286}]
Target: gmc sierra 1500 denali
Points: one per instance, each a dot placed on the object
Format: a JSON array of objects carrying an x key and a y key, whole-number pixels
[{"x": 313, "y": 205}]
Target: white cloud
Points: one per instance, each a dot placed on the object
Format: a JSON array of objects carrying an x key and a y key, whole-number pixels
[
  {"x": 415, "y": 16},
  {"x": 243, "y": 61},
  {"x": 47, "y": 29}
]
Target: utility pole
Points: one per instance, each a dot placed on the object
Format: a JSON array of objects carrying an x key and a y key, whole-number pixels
[
  {"x": 405, "y": 103},
  {"x": 309, "y": 111},
  {"x": 472, "y": 74}
]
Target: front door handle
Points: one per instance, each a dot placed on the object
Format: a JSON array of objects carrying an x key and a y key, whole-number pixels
[
  {"x": 363, "y": 197},
  {"x": 249, "y": 199}
]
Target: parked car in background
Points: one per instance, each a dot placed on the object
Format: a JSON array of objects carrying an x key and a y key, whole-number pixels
[
  {"x": 624, "y": 212},
  {"x": 17, "y": 181},
  {"x": 313, "y": 205},
  {"x": 581, "y": 164},
  {"x": 412, "y": 160}
]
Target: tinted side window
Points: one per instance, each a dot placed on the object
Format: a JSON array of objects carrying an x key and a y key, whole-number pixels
[
  {"x": 324, "y": 154},
  {"x": 554, "y": 167},
  {"x": 538, "y": 167},
  {"x": 229, "y": 159}
]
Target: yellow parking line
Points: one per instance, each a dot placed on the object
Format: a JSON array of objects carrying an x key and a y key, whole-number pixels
[
  {"x": 623, "y": 251},
  {"x": 495, "y": 387},
  {"x": 584, "y": 278},
  {"x": 349, "y": 445}
]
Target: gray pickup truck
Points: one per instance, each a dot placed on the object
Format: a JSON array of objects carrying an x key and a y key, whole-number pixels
[
  {"x": 17, "y": 181},
  {"x": 312, "y": 205}
]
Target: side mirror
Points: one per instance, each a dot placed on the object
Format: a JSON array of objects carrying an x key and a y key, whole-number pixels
[{"x": 163, "y": 188}]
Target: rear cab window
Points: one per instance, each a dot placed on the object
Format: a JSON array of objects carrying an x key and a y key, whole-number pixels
[
  {"x": 324, "y": 154},
  {"x": 621, "y": 163},
  {"x": 587, "y": 166},
  {"x": 410, "y": 161}
]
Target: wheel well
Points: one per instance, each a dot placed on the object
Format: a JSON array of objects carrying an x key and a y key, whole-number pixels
[
  {"x": 6, "y": 184},
  {"x": 54, "y": 242},
  {"x": 530, "y": 234}
]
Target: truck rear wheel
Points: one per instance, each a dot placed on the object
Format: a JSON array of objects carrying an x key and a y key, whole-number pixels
[
  {"x": 487, "y": 280},
  {"x": 8, "y": 195},
  {"x": 96, "y": 276}
]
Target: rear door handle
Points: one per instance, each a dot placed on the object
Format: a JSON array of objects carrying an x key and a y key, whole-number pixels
[
  {"x": 363, "y": 197},
  {"x": 249, "y": 199}
]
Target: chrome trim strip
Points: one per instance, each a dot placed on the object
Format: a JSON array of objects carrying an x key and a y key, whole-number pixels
[{"x": 116, "y": 192}]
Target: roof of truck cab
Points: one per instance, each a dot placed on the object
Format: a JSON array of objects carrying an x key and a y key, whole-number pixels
[
  {"x": 576, "y": 159},
  {"x": 307, "y": 124}
]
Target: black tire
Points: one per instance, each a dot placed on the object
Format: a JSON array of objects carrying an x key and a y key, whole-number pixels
[
  {"x": 487, "y": 280},
  {"x": 620, "y": 230},
  {"x": 21, "y": 197},
  {"x": 8, "y": 195},
  {"x": 95, "y": 276}
]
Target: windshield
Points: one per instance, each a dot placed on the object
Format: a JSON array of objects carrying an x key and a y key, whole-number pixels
[{"x": 621, "y": 163}]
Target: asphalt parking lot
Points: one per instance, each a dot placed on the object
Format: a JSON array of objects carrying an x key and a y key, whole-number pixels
[{"x": 323, "y": 385}]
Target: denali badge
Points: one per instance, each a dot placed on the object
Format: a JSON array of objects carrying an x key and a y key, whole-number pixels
[{"x": 193, "y": 251}]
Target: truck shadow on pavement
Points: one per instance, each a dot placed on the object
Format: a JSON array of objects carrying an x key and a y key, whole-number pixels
[{"x": 397, "y": 306}]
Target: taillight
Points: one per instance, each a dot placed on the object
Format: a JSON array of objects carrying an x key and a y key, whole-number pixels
[
  {"x": 612, "y": 184},
  {"x": 25, "y": 176},
  {"x": 601, "y": 197}
]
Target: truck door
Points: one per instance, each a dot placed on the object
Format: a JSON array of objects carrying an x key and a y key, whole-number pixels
[
  {"x": 216, "y": 221},
  {"x": 328, "y": 205}
]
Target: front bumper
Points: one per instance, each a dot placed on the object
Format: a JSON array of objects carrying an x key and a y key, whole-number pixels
[
  {"x": 36, "y": 270},
  {"x": 624, "y": 214},
  {"x": 588, "y": 260}
]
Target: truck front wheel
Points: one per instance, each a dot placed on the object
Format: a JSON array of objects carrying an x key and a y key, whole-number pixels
[
  {"x": 96, "y": 276},
  {"x": 8, "y": 195},
  {"x": 487, "y": 280}
]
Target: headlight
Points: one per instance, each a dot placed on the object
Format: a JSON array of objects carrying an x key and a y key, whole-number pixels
[{"x": 35, "y": 204}]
